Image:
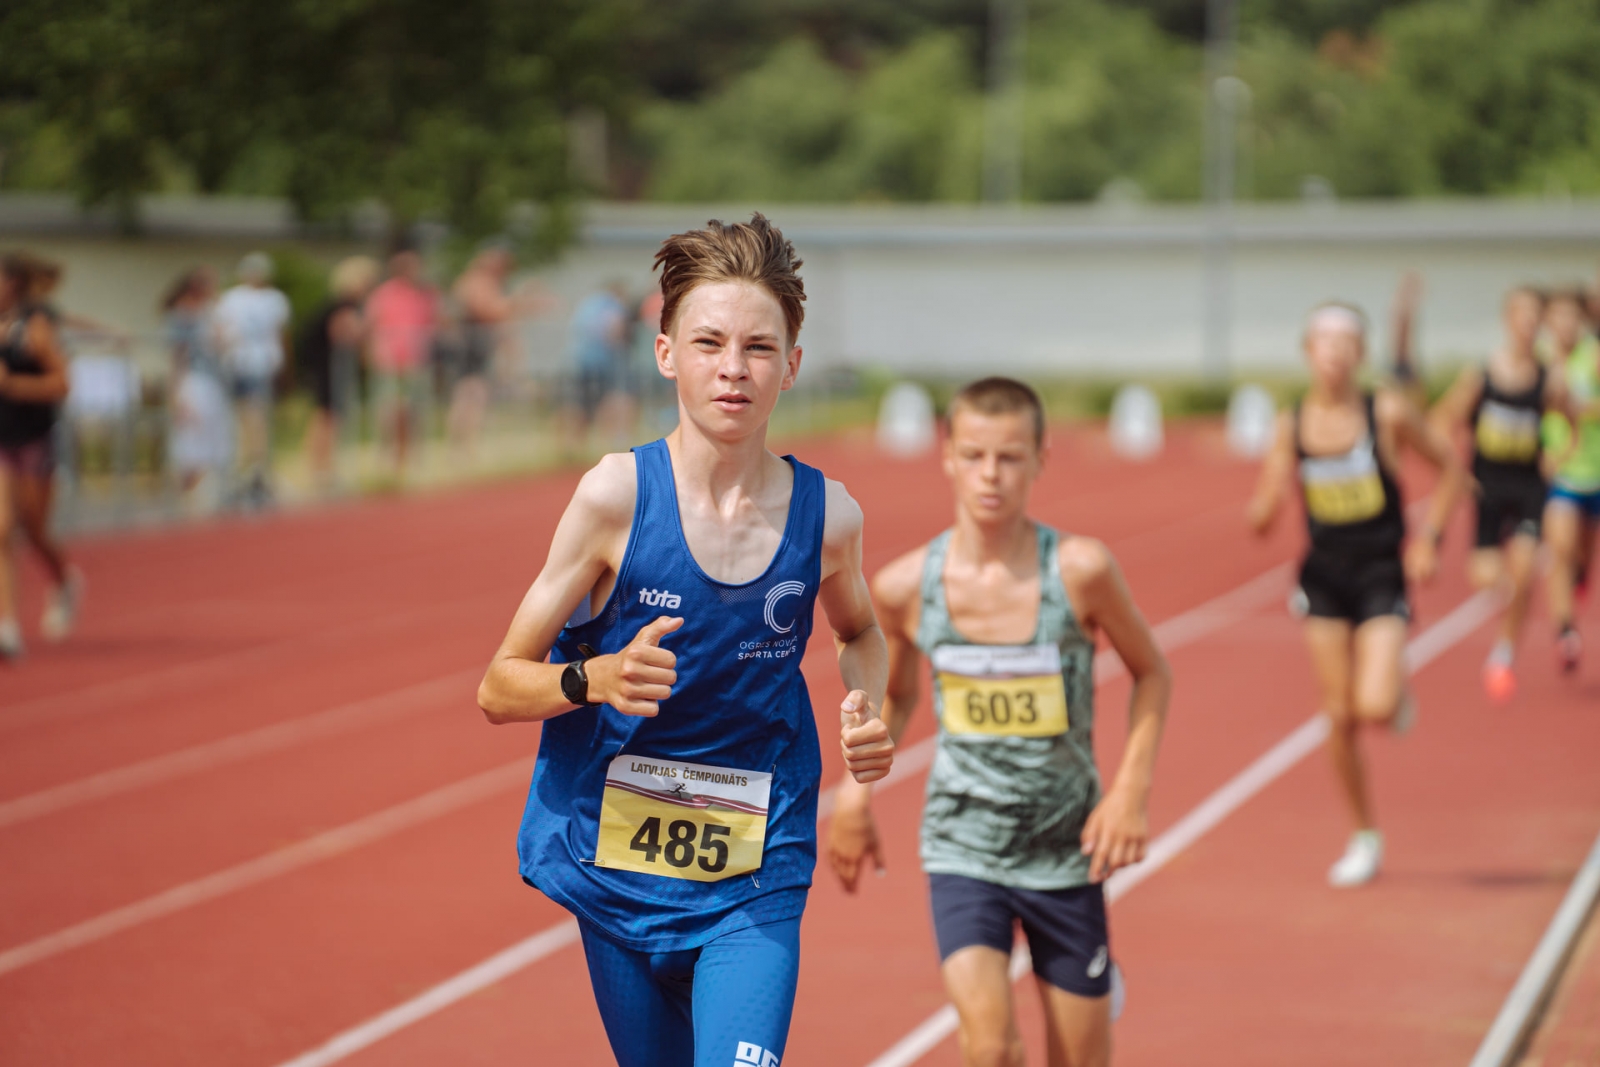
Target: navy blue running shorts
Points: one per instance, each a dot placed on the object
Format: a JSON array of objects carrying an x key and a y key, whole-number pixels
[{"x": 1066, "y": 928}]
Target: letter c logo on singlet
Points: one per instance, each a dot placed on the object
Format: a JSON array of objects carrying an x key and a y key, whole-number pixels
[{"x": 777, "y": 593}]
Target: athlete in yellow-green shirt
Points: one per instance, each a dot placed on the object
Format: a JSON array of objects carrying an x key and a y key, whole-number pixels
[{"x": 1574, "y": 506}]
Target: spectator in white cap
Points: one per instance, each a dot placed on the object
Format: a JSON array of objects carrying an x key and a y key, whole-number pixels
[{"x": 251, "y": 320}]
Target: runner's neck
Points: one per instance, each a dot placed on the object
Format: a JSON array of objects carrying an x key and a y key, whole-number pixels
[{"x": 1012, "y": 543}]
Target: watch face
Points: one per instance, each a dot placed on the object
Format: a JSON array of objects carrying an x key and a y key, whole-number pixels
[{"x": 574, "y": 686}]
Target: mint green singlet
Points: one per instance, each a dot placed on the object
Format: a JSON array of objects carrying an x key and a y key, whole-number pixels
[{"x": 1014, "y": 776}]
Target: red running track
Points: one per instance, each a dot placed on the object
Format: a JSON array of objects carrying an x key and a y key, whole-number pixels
[{"x": 253, "y": 805}]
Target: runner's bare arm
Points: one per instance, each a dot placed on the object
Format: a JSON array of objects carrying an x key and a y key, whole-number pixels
[
  {"x": 1116, "y": 831},
  {"x": 51, "y": 387},
  {"x": 1267, "y": 500},
  {"x": 1559, "y": 400},
  {"x": 1410, "y": 429},
  {"x": 863, "y": 659},
  {"x": 589, "y": 544},
  {"x": 1453, "y": 411},
  {"x": 852, "y": 832}
]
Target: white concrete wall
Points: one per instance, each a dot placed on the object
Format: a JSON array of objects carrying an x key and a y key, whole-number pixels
[{"x": 1091, "y": 290}]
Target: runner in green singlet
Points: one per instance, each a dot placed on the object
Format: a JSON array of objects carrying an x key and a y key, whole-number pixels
[
  {"x": 1570, "y": 516},
  {"x": 1016, "y": 828}
]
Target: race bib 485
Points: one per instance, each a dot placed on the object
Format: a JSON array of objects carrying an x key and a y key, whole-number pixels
[
  {"x": 1001, "y": 690},
  {"x": 682, "y": 820}
]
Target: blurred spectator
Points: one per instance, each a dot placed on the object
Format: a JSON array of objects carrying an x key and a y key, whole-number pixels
[
  {"x": 201, "y": 445},
  {"x": 657, "y": 397},
  {"x": 485, "y": 309},
  {"x": 597, "y": 344},
  {"x": 402, "y": 315},
  {"x": 33, "y": 383},
  {"x": 251, "y": 320},
  {"x": 330, "y": 350}
]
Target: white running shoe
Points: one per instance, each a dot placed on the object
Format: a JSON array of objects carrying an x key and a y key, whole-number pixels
[
  {"x": 10, "y": 640},
  {"x": 1405, "y": 715},
  {"x": 62, "y": 612},
  {"x": 1360, "y": 862}
]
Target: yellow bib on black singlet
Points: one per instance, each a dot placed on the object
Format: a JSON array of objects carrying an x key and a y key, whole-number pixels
[{"x": 1343, "y": 489}]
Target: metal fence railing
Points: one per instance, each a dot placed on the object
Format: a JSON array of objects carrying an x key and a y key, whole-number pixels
[{"x": 122, "y": 459}]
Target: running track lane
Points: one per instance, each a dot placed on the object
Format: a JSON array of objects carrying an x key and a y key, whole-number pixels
[
  {"x": 168, "y": 838},
  {"x": 1154, "y": 584}
]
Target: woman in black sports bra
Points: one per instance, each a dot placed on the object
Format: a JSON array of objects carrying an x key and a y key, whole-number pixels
[
  {"x": 1343, "y": 444},
  {"x": 33, "y": 383},
  {"x": 1499, "y": 407}
]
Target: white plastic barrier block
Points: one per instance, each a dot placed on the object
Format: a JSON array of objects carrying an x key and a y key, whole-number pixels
[
  {"x": 906, "y": 421},
  {"x": 1135, "y": 428},
  {"x": 1252, "y": 421}
]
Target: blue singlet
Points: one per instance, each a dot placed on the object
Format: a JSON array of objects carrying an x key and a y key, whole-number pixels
[{"x": 739, "y": 713}]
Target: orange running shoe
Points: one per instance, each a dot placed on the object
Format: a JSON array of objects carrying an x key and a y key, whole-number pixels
[{"x": 1500, "y": 682}]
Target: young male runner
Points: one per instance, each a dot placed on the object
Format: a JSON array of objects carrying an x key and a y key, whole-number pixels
[
  {"x": 674, "y": 803},
  {"x": 1015, "y": 828},
  {"x": 1345, "y": 444},
  {"x": 1500, "y": 406},
  {"x": 1574, "y": 505}
]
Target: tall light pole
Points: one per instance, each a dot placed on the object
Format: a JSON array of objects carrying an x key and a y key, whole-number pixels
[
  {"x": 1002, "y": 106},
  {"x": 1222, "y": 103}
]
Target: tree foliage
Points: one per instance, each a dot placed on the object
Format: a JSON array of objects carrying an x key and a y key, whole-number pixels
[{"x": 458, "y": 112}]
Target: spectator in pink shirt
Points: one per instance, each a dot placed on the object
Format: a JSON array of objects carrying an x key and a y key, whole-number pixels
[{"x": 402, "y": 314}]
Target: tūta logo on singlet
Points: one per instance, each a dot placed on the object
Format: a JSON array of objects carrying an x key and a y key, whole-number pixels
[
  {"x": 750, "y": 1055},
  {"x": 660, "y": 598},
  {"x": 777, "y": 593}
]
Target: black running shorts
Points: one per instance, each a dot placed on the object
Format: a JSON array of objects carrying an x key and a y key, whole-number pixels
[
  {"x": 1510, "y": 510},
  {"x": 1353, "y": 590},
  {"x": 1066, "y": 928}
]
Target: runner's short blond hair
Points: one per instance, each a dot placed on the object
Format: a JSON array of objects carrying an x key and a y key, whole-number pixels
[{"x": 754, "y": 252}]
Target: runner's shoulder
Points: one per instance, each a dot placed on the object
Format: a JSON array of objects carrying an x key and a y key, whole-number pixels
[
  {"x": 897, "y": 587},
  {"x": 842, "y": 517},
  {"x": 1391, "y": 407},
  {"x": 1083, "y": 560},
  {"x": 607, "y": 492}
]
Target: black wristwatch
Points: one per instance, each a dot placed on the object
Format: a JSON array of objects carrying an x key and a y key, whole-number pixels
[{"x": 575, "y": 679}]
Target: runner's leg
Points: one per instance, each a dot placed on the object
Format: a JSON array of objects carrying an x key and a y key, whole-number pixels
[
  {"x": 1077, "y": 1029},
  {"x": 978, "y": 981},
  {"x": 33, "y": 497},
  {"x": 1329, "y": 641},
  {"x": 744, "y": 987},
  {"x": 1068, "y": 936},
  {"x": 8, "y": 571},
  {"x": 644, "y": 1001},
  {"x": 1562, "y": 529},
  {"x": 1379, "y": 676},
  {"x": 1485, "y": 567},
  {"x": 1521, "y": 554}
]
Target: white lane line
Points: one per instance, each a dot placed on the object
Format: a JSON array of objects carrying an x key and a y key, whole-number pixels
[
  {"x": 1173, "y": 633},
  {"x": 1504, "y": 1043},
  {"x": 115, "y": 693},
  {"x": 219, "y": 753},
  {"x": 496, "y": 967},
  {"x": 341, "y": 839},
  {"x": 1263, "y": 771}
]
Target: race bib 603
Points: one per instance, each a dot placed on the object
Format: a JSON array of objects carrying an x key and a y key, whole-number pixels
[
  {"x": 1001, "y": 690},
  {"x": 682, "y": 820}
]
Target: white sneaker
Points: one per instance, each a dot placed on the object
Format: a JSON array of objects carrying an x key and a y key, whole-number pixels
[
  {"x": 62, "y": 611},
  {"x": 1360, "y": 862},
  {"x": 1405, "y": 715},
  {"x": 10, "y": 640}
]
